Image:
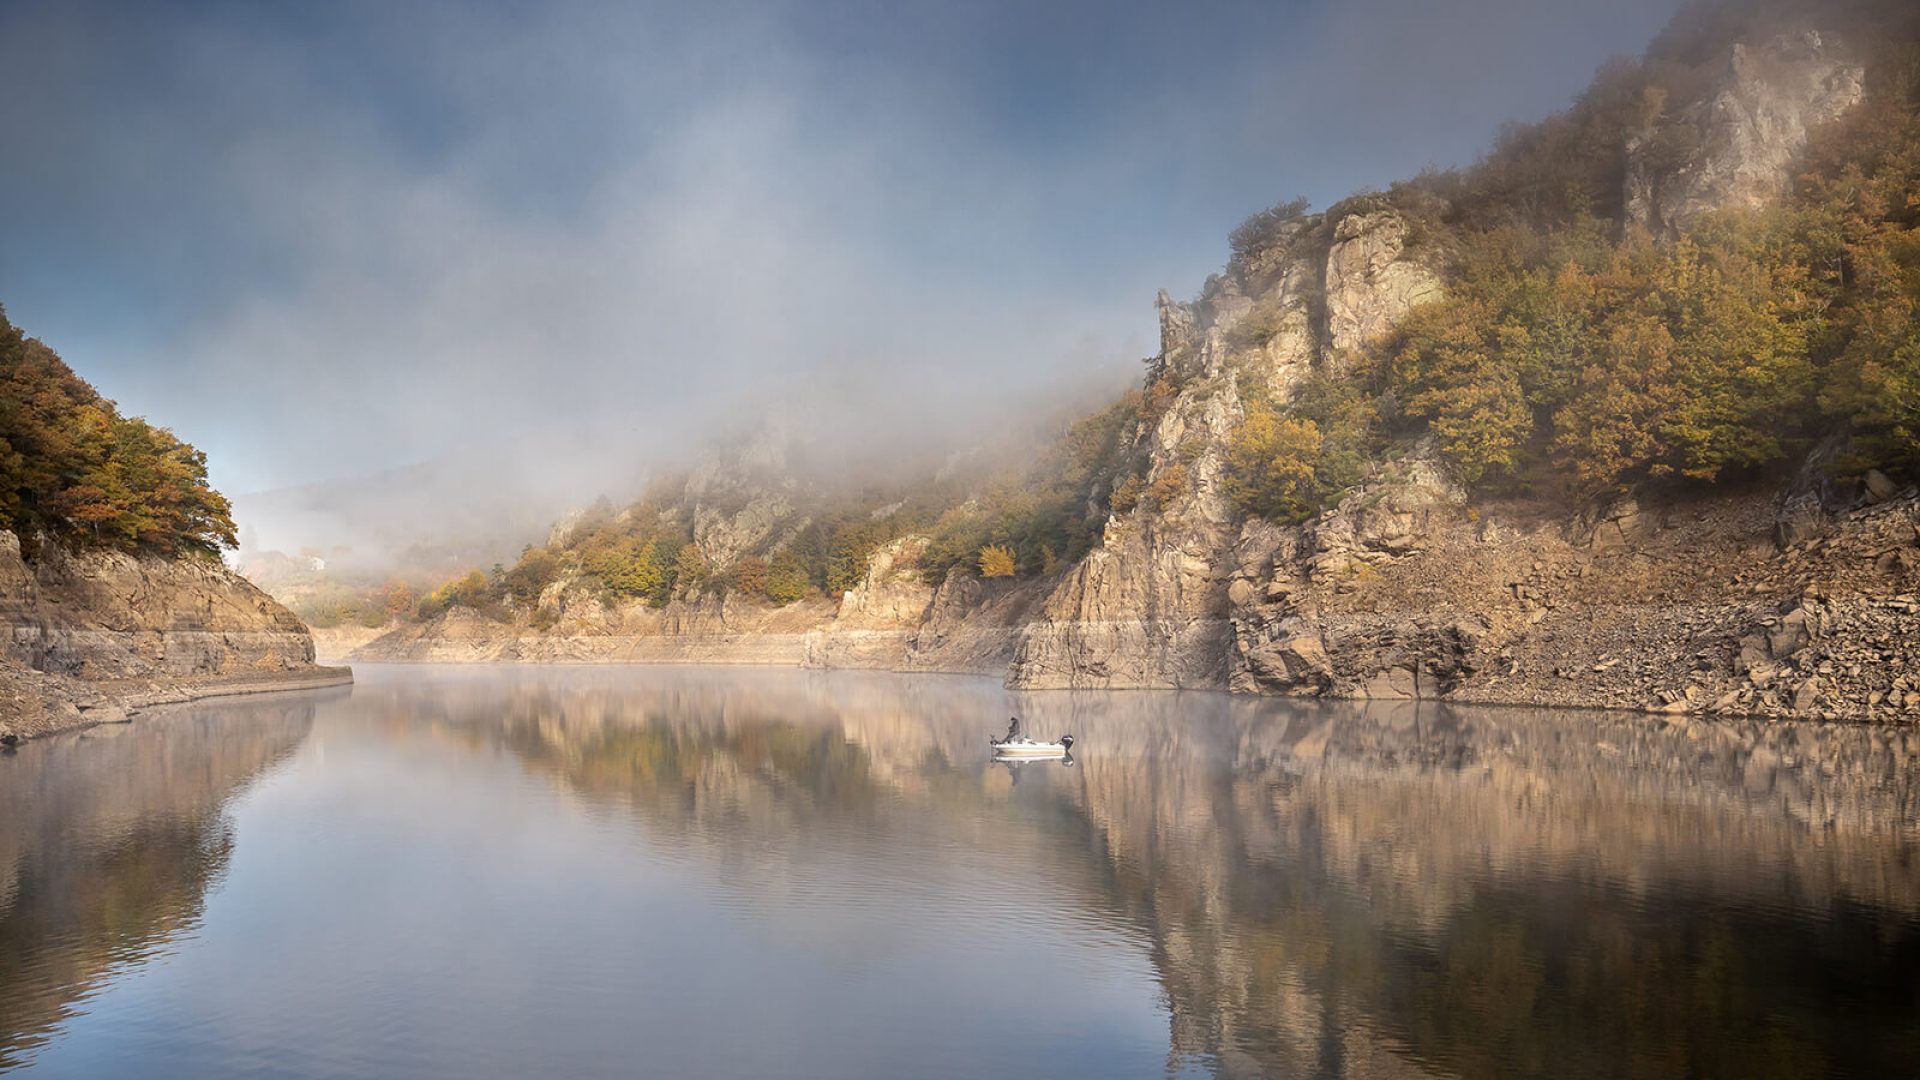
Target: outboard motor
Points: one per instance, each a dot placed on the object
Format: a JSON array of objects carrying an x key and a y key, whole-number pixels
[{"x": 1066, "y": 741}]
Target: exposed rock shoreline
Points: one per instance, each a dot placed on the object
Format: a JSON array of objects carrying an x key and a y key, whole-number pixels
[
  {"x": 97, "y": 637},
  {"x": 1746, "y": 604}
]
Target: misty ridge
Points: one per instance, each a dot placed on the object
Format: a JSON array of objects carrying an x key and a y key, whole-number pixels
[
  {"x": 483, "y": 503},
  {"x": 569, "y": 244}
]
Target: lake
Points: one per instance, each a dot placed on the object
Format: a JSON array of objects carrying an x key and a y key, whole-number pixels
[{"x": 598, "y": 871}]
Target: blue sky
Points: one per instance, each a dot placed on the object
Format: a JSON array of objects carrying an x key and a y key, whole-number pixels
[{"x": 323, "y": 238}]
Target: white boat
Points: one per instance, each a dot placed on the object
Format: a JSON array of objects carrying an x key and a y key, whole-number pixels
[{"x": 1021, "y": 747}]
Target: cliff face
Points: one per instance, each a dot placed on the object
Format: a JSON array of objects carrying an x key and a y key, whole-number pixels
[
  {"x": 1405, "y": 590},
  {"x": 1150, "y": 607},
  {"x": 85, "y": 637},
  {"x": 1797, "y": 602},
  {"x": 1736, "y": 145}
]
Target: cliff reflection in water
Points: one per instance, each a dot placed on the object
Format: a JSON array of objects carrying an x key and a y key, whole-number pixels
[
  {"x": 1338, "y": 891},
  {"x": 109, "y": 839}
]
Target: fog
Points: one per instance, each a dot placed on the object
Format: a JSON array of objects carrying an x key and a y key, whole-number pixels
[{"x": 493, "y": 259}]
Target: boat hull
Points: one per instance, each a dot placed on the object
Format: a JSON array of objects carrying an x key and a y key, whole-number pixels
[{"x": 1034, "y": 750}]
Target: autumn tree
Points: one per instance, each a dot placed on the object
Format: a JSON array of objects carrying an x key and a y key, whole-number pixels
[
  {"x": 997, "y": 561},
  {"x": 749, "y": 576},
  {"x": 1269, "y": 466},
  {"x": 72, "y": 468},
  {"x": 787, "y": 579}
]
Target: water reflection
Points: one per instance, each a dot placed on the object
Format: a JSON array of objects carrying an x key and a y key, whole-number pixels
[
  {"x": 1343, "y": 890},
  {"x": 1219, "y": 885},
  {"x": 109, "y": 839}
]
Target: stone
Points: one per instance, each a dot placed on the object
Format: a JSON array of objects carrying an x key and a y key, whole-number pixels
[
  {"x": 1879, "y": 486},
  {"x": 1393, "y": 683}
]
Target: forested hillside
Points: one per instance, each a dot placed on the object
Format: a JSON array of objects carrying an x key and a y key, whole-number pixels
[
  {"x": 73, "y": 470},
  {"x": 113, "y": 595}
]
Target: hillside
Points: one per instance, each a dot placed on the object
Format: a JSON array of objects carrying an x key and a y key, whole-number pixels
[
  {"x": 1626, "y": 414},
  {"x": 113, "y": 596}
]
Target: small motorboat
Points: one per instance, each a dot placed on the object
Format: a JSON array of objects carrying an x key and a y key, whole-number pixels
[{"x": 1022, "y": 747}]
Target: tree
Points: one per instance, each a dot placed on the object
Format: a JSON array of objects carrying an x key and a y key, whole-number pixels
[
  {"x": 396, "y": 598},
  {"x": 529, "y": 577},
  {"x": 996, "y": 561},
  {"x": 1453, "y": 373},
  {"x": 749, "y": 576},
  {"x": 1269, "y": 466},
  {"x": 630, "y": 567},
  {"x": 689, "y": 567},
  {"x": 787, "y": 579},
  {"x": 74, "y": 469}
]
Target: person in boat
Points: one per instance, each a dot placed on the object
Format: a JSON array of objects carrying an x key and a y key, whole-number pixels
[{"x": 1013, "y": 729}]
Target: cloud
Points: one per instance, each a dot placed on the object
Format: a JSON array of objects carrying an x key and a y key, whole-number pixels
[{"x": 569, "y": 240}]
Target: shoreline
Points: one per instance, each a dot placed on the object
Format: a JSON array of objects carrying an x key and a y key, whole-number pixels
[
  {"x": 1471, "y": 700},
  {"x": 70, "y": 704}
]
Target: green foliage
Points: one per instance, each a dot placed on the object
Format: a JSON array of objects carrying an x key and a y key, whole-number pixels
[
  {"x": 787, "y": 579},
  {"x": 1266, "y": 229},
  {"x": 537, "y": 569},
  {"x": 471, "y": 591},
  {"x": 1345, "y": 408},
  {"x": 690, "y": 569},
  {"x": 630, "y": 566},
  {"x": 73, "y": 468},
  {"x": 1860, "y": 237},
  {"x": 1664, "y": 359}
]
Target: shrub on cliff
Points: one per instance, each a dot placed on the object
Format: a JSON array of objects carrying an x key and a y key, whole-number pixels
[
  {"x": 748, "y": 577},
  {"x": 631, "y": 567},
  {"x": 1267, "y": 229},
  {"x": 996, "y": 561},
  {"x": 73, "y": 468},
  {"x": 787, "y": 579},
  {"x": 1270, "y": 465},
  {"x": 473, "y": 590}
]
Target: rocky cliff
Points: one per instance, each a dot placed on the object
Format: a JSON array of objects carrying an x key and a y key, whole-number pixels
[
  {"x": 1760, "y": 597},
  {"x": 88, "y": 637},
  {"x": 1800, "y": 601},
  {"x": 1736, "y": 145}
]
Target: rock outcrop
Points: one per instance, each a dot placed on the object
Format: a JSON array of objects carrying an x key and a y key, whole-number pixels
[
  {"x": 1681, "y": 606},
  {"x": 1370, "y": 286},
  {"x": 1736, "y": 145},
  {"x": 91, "y": 636},
  {"x": 1150, "y": 606}
]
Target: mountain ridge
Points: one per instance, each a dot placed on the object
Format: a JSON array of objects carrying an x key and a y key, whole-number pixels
[{"x": 1389, "y": 450}]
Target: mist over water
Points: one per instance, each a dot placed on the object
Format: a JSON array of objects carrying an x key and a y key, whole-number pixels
[{"x": 760, "y": 872}]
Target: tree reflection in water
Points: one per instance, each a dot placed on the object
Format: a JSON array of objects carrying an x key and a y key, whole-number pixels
[
  {"x": 1328, "y": 890},
  {"x": 1320, "y": 890},
  {"x": 109, "y": 840}
]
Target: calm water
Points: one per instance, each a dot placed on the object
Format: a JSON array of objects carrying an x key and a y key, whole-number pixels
[{"x": 614, "y": 871}]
